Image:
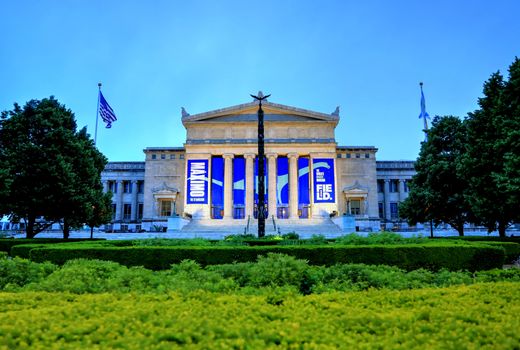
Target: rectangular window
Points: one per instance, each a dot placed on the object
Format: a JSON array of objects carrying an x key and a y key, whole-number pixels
[
  {"x": 166, "y": 208},
  {"x": 113, "y": 211},
  {"x": 348, "y": 155},
  {"x": 127, "y": 187},
  {"x": 367, "y": 155},
  {"x": 124, "y": 228},
  {"x": 163, "y": 156},
  {"x": 381, "y": 208},
  {"x": 394, "y": 185},
  {"x": 154, "y": 156},
  {"x": 358, "y": 155},
  {"x": 181, "y": 156},
  {"x": 127, "y": 211},
  {"x": 394, "y": 212},
  {"x": 338, "y": 155},
  {"x": 140, "y": 187},
  {"x": 172, "y": 156},
  {"x": 355, "y": 207},
  {"x": 380, "y": 186},
  {"x": 140, "y": 208}
]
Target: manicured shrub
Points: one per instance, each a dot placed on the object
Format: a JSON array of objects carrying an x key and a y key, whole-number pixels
[
  {"x": 17, "y": 272},
  {"x": 378, "y": 238},
  {"x": 162, "y": 242},
  {"x": 7, "y": 243},
  {"x": 408, "y": 256},
  {"x": 481, "y": 316}
]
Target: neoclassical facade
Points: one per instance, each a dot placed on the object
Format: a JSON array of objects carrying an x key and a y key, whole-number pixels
[{"x": 211, "y": 182}]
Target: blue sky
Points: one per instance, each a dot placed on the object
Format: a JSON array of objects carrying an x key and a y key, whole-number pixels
[{"x": 154, "y": 57}]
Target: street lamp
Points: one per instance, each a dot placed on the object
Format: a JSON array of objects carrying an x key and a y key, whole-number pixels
[{"x": 261, "y": 169}]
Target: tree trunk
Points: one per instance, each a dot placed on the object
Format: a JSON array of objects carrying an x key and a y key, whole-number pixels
[
  {"x": 91, "y": 232},
  {"x": 29, "y": 226},
  {"x": 502, "y": 228},
  {"x": 66, "y": 229},
  {"x": 459, "y": 226}
]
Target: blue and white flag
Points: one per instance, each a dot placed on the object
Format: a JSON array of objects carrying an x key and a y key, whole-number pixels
[
  {"x": 106, "y": 112},
  {"x": 424, "y": 115}
]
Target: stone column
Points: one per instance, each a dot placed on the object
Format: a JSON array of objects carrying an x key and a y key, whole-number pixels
[
  {"x": 386, "y": 193},
  {"x": 133, "y": 213},
  {"x": 293, "y": 185},
  {"x": 249, "y": 184},
  {"x": 228, "y": 186},
  {"x": 400, "y": 188},
  {"x": 105, "y": 186},
  {"x": 271, "y": 187},
  {"x": 119, "y": 200}
]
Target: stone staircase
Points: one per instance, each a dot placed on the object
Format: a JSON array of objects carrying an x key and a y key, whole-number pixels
[{"x": 218, "y": 229}]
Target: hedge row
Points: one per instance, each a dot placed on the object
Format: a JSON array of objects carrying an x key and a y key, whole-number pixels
[
  {"x": 409, "y": 256},
  {"x": 482, "y": 316},
  {"x": 7, "y": 243}
]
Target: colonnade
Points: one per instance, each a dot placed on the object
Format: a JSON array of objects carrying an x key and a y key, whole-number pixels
[{"x": 271, "y": 184}]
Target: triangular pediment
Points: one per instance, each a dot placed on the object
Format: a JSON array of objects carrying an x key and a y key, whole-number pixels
[{"x": 247, "y": 112}]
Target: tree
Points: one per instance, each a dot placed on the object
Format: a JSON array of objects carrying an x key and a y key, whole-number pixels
[
  {"x": 100, "y": 212},
  {"x": 492, "y": 161},
  {"x": 53, "y": 170},
  {"x": 437, "y": 191}
]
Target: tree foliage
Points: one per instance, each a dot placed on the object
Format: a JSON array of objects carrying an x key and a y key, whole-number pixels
[
  {"x": 52, "y": 170},
  {"x": 470, "y": 171},
  {"x": 437, "y": 191},
  {"x": 492, "y": 161}
]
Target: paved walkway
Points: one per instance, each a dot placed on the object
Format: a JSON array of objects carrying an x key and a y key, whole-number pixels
[{"x": 220, "y": 235}]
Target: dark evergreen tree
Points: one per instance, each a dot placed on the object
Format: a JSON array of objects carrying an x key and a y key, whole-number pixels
[
  {"x": 54, "y": 171},
  {"x": 492, "y": 162},
  {"x": 437, "y": 190}
]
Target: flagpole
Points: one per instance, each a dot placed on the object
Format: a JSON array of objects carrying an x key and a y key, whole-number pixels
[{"x": 97, "y": 113}]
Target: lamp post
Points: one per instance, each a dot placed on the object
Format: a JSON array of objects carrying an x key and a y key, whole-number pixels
[{"x": 261, "y": 169}]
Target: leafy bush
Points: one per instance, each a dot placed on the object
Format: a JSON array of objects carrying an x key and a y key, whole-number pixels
[
  {"x": 459, "y": 317},
  {"x": 267, "y": 275},
  {"x": 291, "y": 235},
  {"x": 378, "y": 238},
  {"x": 17, "y": 272},
  {"x": 162, "y": 242}
]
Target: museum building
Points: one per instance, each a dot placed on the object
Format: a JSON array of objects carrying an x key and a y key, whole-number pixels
[{"x": 211, "y": 184}]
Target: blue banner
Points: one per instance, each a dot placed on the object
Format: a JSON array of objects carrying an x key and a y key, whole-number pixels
[
  {"x": 323, "y": 175},
  {"x": 239, "y": 181},
  {"x": 197, "y": 182},
  {"x": 256, "y": 180},
  {"x": 303, "y": 181},
  {"x": 217, "y": 186},
  {"x": 282, "y": 181}
]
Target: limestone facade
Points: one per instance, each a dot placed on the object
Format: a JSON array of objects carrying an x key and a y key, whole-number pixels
[{"x": 300, "y": 139}]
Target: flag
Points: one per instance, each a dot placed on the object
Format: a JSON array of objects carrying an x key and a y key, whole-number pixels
[
  {"x": 424, "y": 115},
  {"x": 106, "y": 112}
]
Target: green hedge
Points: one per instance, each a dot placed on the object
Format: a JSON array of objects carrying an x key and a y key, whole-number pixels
[
  {"x": 512, "y": 250},
  {"x": 482, "y": 238},
  {"x": 23, "y": 250},
  {"x": 410, "y": 256},
  {"x": 7, "y": 243}
]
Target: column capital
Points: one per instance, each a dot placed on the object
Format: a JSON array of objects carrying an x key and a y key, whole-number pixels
[
  {"x": 135, "y": 181},
  {"x": 119, "y": 181},
  {"x": 386, "y": 180},
  {"x": 271, "y": 155},
  {"x": 249, "y": 156},
  {"x": 293, "y": 155},
  {"x": 228, "y": 156}
]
